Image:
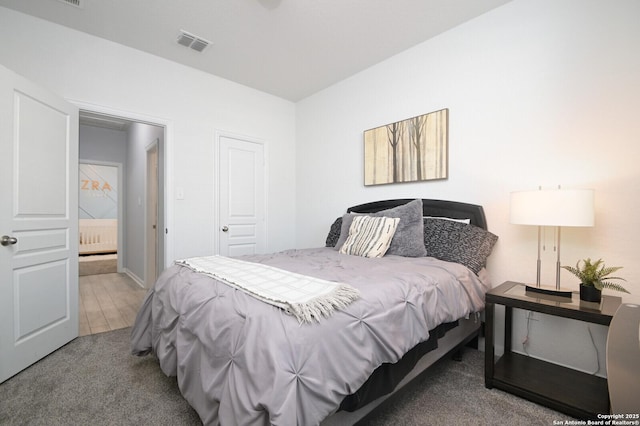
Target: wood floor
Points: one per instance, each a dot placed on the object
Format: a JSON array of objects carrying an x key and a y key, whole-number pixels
[{"x": 108, "y": 302}]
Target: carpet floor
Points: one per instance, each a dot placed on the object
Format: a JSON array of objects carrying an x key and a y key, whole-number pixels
[{"x": 94, "y": 380}]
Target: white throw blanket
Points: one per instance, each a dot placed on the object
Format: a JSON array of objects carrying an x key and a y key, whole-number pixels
[{"x": 306, "y": 298}]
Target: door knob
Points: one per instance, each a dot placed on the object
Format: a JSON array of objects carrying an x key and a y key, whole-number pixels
[
  {"x": 7, "y": 240},
  {"x": 225, "y": 228}
]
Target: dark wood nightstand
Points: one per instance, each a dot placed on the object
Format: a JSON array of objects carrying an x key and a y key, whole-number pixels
[{"x": 570, "y": 391}]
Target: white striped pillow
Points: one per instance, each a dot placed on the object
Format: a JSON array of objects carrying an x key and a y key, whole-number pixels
[{"x": 370, "y": 236}]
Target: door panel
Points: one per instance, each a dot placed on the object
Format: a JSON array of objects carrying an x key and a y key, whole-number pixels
[
  {"x": 39, "y": 240},
  {"x": 38, "y": 186},
  {"x": 34, "y": 313},
  {"x": 242, "y": 197},
  {"x": 41, "y": 161}
]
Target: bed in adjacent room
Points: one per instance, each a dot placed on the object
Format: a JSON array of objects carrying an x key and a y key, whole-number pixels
[
  {"x": 321, "y": 335},
  {"x": 98, "y": 236},
  {"x": 98, "y": 246}
]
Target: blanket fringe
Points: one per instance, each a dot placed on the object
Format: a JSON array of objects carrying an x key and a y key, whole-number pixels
[{"x": 323, "y": 306}]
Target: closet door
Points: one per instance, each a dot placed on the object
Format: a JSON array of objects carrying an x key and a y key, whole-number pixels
[{"x": 242, "y": 196}]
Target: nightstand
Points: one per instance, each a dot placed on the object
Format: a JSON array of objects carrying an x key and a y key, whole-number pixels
[{"x": 573, "y": 392}]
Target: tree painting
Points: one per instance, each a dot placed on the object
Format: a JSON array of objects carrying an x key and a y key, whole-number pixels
[{"x": 411, "y": 150}]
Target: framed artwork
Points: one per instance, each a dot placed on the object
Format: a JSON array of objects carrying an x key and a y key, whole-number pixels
[{"x": 411, "y": 150}]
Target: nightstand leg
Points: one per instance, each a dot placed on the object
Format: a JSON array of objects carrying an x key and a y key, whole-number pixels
[
  {"x": 508, "y": 320},
  {"x": 488, "y": 345}
]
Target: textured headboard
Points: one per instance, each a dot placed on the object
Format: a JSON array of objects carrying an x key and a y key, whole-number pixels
[{"x": 438, "y": 208}]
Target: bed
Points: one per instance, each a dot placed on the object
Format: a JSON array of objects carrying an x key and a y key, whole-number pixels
[{"x": 239, "y": 360}]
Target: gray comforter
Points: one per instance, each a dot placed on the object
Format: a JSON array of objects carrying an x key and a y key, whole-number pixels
[{"x": 241, "y": 361}]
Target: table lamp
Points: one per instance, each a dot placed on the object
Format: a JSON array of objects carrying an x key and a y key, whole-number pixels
[{"x": 552, "y": 207}]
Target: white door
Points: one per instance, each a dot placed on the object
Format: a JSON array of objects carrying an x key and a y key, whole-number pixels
[
  {"x": 242, "y": 197},
  {"x": 38, "y": 223}
]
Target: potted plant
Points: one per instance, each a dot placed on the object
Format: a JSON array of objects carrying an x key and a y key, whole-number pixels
[{"x": 594, "y": 276}]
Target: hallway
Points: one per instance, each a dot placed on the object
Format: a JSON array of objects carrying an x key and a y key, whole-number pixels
[{"x": 108, "y": 302}]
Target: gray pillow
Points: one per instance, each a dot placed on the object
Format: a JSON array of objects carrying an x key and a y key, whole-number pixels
[
  {"x": 458, "y": 242},
  {"x": 408, "y": 240}
]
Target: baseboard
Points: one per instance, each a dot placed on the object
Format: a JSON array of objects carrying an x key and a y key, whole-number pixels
[{"x": 134, "y": 277}]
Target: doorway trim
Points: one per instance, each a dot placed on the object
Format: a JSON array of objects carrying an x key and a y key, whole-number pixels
[
  {"x": 120, "y": 205},
  {"x": 167, "y": 164},
  {"x": 151, "y": 199}
]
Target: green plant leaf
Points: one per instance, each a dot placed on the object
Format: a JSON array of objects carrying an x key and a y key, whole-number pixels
[
  {"x": 596, "y": 274},
  {"x": 614, "y": 286}
]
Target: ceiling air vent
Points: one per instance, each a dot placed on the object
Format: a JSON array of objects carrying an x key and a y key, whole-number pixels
[
  {"x": 192, "y": 41},
  {"x": 75, "y": 3}
]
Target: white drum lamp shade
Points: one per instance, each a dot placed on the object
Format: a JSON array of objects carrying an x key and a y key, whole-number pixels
[{"x": 553, "y": 207}]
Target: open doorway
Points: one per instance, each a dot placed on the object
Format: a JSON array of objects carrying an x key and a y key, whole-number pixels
[
  {"x": 100, "y": 202},
  {"x": 109, "y": 300}
]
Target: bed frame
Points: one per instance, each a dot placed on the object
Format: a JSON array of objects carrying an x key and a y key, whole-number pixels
[
  {"x": 467, "y": 331},
  {"x": 98, "y": 236}
]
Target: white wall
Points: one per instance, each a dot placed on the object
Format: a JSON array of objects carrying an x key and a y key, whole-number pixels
[
  {"x": 139, "y": 137},
  {"x": 100, "y": 144},
  {"x": 539, "y": 93},
  {"x": 194, "y": 105}
]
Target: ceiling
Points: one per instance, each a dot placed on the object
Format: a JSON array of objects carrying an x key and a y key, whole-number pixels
[{"x": 288, "y": 48}]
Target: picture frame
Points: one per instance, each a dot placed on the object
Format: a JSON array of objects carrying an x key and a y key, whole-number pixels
[{"x": 411, "y": 150}]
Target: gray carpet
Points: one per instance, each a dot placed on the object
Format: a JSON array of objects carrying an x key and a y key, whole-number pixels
[{"x": 94, "y": 381}]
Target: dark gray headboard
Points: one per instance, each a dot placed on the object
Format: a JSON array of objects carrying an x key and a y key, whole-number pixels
[{"x": 438, "y": 208}]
